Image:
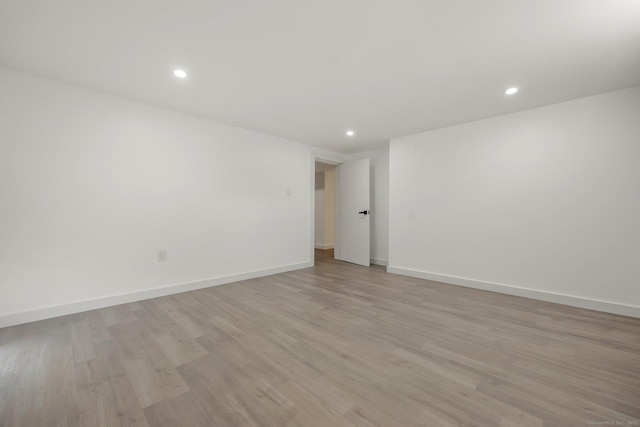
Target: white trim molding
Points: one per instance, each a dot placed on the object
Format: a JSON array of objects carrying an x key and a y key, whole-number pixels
[
  {"x": 379, "y": 261},
  {"x": 590, "y": 304},
  {"x": 139, "y": 295},
  {"x": 323, "y": 247}
]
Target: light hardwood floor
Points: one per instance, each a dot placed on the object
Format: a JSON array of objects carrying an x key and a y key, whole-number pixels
[{"x": 334, "y": 345}]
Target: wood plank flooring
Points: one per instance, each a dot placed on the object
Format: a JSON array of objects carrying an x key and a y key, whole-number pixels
[{"x": 333, "y": 345}]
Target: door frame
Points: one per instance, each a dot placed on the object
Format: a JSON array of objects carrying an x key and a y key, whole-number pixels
[{"x": 331, "y": 159}]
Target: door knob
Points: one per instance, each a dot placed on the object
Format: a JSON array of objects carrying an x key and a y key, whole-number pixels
[{"x": 365, "y": 212}]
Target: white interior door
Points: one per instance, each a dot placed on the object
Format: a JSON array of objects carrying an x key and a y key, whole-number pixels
[{"x": 354, "y": 212}]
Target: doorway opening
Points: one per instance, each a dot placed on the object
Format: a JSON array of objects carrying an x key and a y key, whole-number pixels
[{"x": 325, "y": 212}]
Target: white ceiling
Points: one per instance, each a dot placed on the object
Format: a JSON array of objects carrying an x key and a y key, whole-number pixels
[{"x": 309, "y": 70}]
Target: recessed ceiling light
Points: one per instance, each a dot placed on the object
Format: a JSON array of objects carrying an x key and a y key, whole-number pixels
[
  {"x": 350, "y": 133},
  {"x": 181, "y": 74},
  {"x": 511, "y": 91}
]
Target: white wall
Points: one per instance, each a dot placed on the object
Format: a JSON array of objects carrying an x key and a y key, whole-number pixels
[
  {"x": 547, "y": 200},
  {"x": 320, "y": 208},
  {"x": 92, "y": 186},
  {"x": 379, "y": 160},
  {"x": 329, "y": 208}
]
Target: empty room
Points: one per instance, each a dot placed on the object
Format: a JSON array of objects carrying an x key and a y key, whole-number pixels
[{"x": 319, "y": 213}]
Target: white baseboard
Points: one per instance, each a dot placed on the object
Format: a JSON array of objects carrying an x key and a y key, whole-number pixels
[
  {"x": 34, "y": 315},
  {"x": 379, "y": 261},
  {"x": 80, "y": 306},
  {"x": 591, "y": 304},
  {"x": 324, "y": 247}
]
